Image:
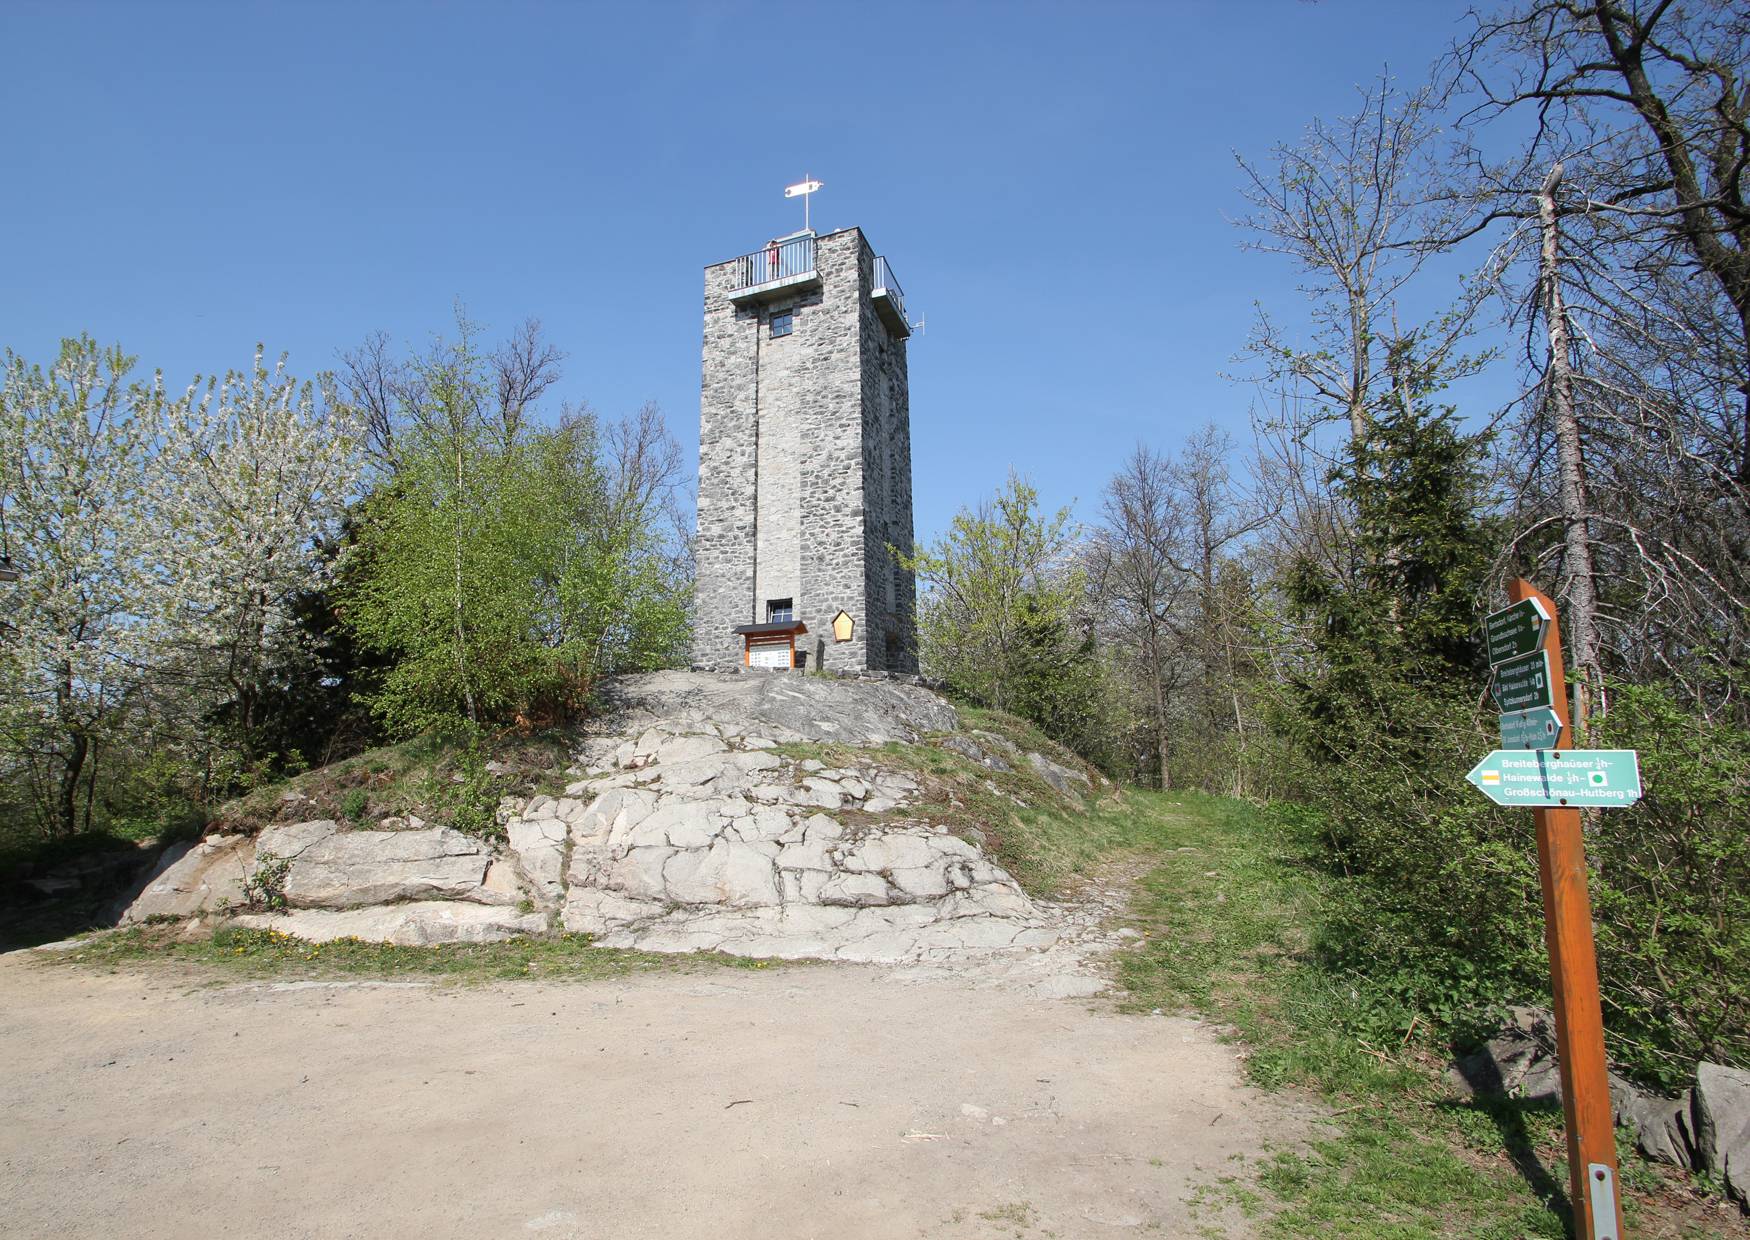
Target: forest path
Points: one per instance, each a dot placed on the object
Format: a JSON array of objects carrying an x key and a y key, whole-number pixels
[{"x": 830, "y": 1100}]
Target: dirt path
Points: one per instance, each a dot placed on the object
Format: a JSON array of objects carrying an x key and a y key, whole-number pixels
[{"x": 818, "y": 1101}]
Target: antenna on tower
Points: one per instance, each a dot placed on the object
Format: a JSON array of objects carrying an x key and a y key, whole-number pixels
[{"x": 803, "y": 189}]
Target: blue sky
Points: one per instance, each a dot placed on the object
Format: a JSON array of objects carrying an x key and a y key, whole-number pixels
[{"x": 1053, "y": 184}]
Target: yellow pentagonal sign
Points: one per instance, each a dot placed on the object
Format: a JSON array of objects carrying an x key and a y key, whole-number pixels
[{"x": 843, "y": 626}]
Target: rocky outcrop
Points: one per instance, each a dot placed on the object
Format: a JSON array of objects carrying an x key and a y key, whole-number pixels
[
  {"x": 691, "y": 828},
  {"x": 781, "y": 708},
  {"x": 422, "y": 923},
  {"x": 194, "y": 878},
  {"x": 1067, "y": 781},
  {"x": 707, "y": 840},
  {"x": 1518, "y": 1062},
  {"x": 1663, "y": 1128},
  {"x": 1707, "y": 1127},
  {"x": 317, "y": 865},
  {"x": 350, "y": 869},
  {"x": 1722, "y": 1122}
]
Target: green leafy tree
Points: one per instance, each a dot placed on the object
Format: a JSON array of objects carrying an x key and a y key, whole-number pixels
[
  {"x": 503, "y": 567},
  {"x": 1439, "y": 909},
  {"x": 1000, "y": 622}
]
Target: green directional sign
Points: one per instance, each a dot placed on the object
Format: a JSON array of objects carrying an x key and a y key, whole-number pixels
[
  {"x": 1524, "y": 683},
  {"x": 1516, "y": 631},
  {"x": 1537, "y": 728},
  {"x": 1575, "y": 777}
]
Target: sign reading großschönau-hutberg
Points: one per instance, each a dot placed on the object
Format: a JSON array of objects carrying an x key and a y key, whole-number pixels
[{"x": 1577, "y": 777}]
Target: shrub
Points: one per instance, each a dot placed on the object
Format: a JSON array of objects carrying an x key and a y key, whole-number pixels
[
  {"x": 266, "y": 887},
  {"x": 1671, "y": 890},
  {"x": 355, "y": 805}
]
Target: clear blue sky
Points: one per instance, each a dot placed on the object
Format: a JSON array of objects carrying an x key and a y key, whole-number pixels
[{"x": 1053, "y": 184}]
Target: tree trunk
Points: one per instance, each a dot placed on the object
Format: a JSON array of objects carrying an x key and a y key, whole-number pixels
[
  {"x": 1154, "y": 661},
  {"x": 71, "y": 765},
  {"x": 461, "y": 628},
  {"x": 1579, "y": 599},
  {"x": 1360, "y": 375},
  {"x": 90, "y": 786}
]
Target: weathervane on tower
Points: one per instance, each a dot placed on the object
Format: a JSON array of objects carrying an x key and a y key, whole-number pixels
[{"x": 803, "y": 189}]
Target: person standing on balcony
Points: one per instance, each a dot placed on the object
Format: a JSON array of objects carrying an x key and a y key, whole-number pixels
[{"x": 772, "y": 253}]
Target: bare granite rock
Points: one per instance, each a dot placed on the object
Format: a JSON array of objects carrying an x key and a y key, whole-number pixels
[
  {"x": 781, "y": 708},
  {"x": 350, "y": 869},
  {"x": 194, "y": 878},
  {"x": 1722, "y": 1121},
  {"x": 693, "y": 830},
  {"x": 418, "y": 924}
]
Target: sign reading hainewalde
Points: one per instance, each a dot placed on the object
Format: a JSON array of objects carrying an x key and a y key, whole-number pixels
[
  {"x": 1537, "y": 728},
  {"x": 1516, "y": 631},
  {"x": 1524, "y": 682},
  {"x": 1571, "y": 777}
]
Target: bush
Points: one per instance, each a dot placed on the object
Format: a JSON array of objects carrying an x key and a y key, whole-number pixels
[
  {"x": 1671, "y": 890},
  {"x": 1436, "y": 905},
  {"x": 355, "y": 805},
  {"x": 467, "y": 794},
  {"x": 266, "y": 887}
]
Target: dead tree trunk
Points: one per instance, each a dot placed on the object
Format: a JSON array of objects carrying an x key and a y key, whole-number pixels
[{"x": 1578, "y": 587}]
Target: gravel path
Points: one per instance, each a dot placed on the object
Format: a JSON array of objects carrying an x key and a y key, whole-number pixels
[{"x": 831, "y": 1101}]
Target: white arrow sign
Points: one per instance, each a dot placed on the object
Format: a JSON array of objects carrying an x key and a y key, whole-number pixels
[{"x": 802, "y": 187}]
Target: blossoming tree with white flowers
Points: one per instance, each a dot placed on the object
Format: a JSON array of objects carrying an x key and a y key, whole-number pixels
[
  {"x": 262, "y": 466},
  {"x": 81, "y": 627}
]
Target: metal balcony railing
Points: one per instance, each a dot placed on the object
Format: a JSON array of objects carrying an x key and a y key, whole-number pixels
[
  {"x": 886, "y": 285},
  {"x": 781, "y": 260}
]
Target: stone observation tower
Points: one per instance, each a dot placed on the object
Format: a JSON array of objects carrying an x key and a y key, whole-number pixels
[{"x": 805, "y": 461}]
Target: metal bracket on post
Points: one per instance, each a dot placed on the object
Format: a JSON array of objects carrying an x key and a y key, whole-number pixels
[{"x": 1602, "y": 1186}]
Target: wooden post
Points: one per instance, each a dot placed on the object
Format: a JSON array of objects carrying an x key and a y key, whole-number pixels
[{"x": 1567, "y": 930}]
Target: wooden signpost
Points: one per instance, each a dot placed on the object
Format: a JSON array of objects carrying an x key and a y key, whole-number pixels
[{"x": 1567, "y": 912}]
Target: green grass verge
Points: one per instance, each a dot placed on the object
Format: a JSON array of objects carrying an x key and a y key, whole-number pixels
[
  {"x": 1229, "y": 912},
  {"x": 250, "y": 953}
]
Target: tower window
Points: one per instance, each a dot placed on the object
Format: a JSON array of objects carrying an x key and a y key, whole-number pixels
[
  {"x": 780, "y": 609},
  {"x": 782, "y": 323}
]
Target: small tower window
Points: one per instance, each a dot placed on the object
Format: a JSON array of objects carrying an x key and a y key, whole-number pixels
[
  {"x": 781, "y": 324},
  {"x": 780, "y": 609}
]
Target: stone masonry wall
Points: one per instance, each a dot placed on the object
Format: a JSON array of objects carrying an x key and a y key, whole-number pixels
[
  {"x": 890, "y": 589},
  {"x": 804, "y": 467},
  {"x": 723, "y": 587},
  {"x": 833, "y": 495}
]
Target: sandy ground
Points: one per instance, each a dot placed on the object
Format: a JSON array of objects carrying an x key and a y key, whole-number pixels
[{"x": 822, "y": 1101}]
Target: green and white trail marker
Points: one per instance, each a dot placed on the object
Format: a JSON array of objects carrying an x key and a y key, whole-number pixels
[
  {"x": 1515, "y": 631},
  {"x": 1523, "y": 683},
  {"x": 1537, "y": 728},
  {"x": 1573, "y": 777}
]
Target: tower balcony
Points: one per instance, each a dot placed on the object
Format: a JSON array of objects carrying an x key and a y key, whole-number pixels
[
  {"x": 784, "y": 266},
  {"x": 889, "y": 300}
]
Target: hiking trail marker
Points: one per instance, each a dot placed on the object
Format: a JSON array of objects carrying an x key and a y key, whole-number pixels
[
  {"x": 1516, "y": 631},
  {"x": 1523, "y": 682},
  {"x": 1537, "y": 728},
  {"x": 1583, "y": 777},
  {"x": 1538, "y": 767}
]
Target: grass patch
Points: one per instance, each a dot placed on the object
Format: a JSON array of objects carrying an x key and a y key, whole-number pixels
[
  {"x": 251, "y": 953},
  {"x": 417, "y": 776},
  {"x": 1229, "y": 913}
]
